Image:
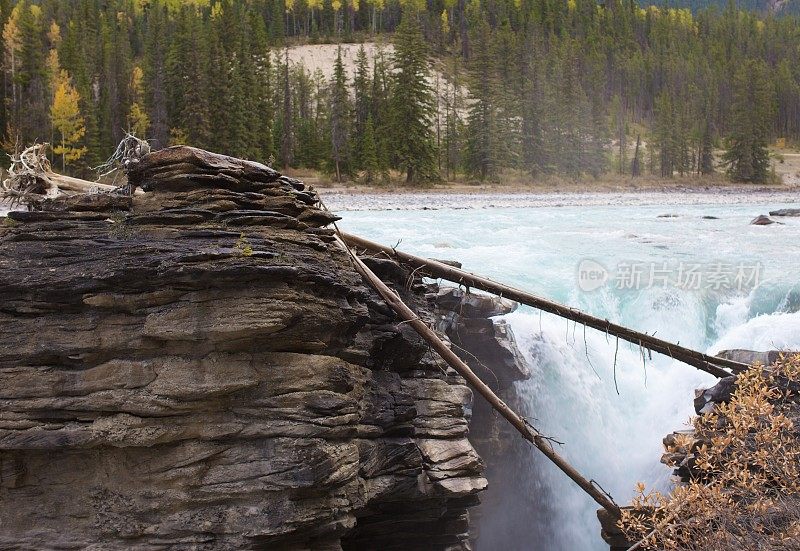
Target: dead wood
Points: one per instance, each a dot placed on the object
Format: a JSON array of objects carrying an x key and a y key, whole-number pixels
[{"x": 710, "y": 364}]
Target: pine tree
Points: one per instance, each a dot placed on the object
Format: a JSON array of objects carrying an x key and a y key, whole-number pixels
[
  {"x": 190, "y": 89},
  {"x": 532, "y": 108},
  {"x": 412, "y": 104},
  {"x": 155, "y": 74},
  {"x": 31, "y": 120},
  {"x": 453, "y": 125},
  {"x": 663, "y": 134},
  {"x": 340, "y": 118},
  {"x": 361, "y": 90},
  {"x": 706, "y": 156},
  {"x": 287, "y": 137},
  {"x": 380, "y": 113},
  {"x": 484, "y": 155},
  {"x": 636, "y": 163},
  {"x": 747, "y": 156},
  {"x": 362, "y": 104},
  {"x": 369, "y": 154}
]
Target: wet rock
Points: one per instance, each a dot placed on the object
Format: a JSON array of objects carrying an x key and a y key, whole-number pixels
[
  {"x": 487, "y": 346},
  {"x": 785, "y": 212},
  {"x": 720, "y": 393},
  {"x": 471, "y": 305},
  {"x": 387, "y": 270},
  {"x": 762, "y": 220}
]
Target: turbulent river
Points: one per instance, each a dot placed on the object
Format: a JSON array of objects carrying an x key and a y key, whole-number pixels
[{"x": 697, "y": 274}]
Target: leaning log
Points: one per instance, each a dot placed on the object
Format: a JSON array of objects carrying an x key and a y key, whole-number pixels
[
  {"x": 704, "y": 362},
  {"x": 519, "y": 423}
]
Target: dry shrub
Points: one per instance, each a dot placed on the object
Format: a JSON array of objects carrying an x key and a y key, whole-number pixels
[{"x": 744, "y": 489}]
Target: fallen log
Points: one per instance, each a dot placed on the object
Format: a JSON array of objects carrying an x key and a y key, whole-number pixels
[
  {"x": 527, "y": 431},
  {"x": 69, "y": 183},
  {"x": 704, "y": 362}
]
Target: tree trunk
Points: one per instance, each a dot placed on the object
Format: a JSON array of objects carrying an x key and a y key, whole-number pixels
[
  {"x": 704, "y": 362},
  {"x": 522, "y": 426},
  {"x": 636, "y": 169}
]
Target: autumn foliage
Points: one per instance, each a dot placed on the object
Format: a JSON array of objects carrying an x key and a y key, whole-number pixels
[{"x": 744, "y": 489}]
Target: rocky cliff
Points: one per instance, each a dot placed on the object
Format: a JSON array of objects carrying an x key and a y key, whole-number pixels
[{"x": 200, "y": 367}]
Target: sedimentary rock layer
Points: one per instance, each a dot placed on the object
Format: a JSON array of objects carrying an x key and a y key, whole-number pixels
[{"x": 200, "y": 367}]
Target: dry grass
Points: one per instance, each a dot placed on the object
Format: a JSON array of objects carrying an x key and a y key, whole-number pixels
[{"x": 745, "y": 489}]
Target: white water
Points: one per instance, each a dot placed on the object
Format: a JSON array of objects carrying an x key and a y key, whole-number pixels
[{"x": 614, "y": 439}]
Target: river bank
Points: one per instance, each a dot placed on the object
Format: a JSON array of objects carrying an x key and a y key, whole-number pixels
[{"x": 460, "y": 197}]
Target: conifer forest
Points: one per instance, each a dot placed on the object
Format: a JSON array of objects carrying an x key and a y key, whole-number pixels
[{"x": 457, "y": 88}]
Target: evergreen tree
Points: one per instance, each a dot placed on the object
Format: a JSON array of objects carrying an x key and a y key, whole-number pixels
[
  {"x": 412, "y": 104},
  {"x": 362, "y": 84},
  {"x": 30, "y": 117},
  {"x": 155, "y": 74},
  {"x": 454, "y": 126},
  {"x": 533, "y": 108},
  {"x": 484, "y": 133},
  {"x": 706, "y": 156},
  {"x": 340, "y": 118},
  {"x": 381, "y": 107},
  {"x": 747, "y": 156},
  {"x": 286, "y": 123},
  {"x": 369, "y": 154}
]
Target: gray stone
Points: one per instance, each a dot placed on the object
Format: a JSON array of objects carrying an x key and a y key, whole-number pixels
[
  {"x": 200, "y": 367},
  {"x": 785, "y": 212},
  {"x": 762, "y": 220}
]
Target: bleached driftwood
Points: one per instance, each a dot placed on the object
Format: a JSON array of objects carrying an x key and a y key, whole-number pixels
[{"x": 30, "y": 177}]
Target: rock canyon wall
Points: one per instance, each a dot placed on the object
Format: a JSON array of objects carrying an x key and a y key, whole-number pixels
[{"x": 200, "y": 367}]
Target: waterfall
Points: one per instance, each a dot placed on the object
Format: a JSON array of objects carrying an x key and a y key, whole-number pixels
[{"x": 610, "y": 415}]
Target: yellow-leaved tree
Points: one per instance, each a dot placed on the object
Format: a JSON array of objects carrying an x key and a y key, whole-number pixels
[
  {"x": 138, "y": 121},
  {"x": 65, "y": 114}
]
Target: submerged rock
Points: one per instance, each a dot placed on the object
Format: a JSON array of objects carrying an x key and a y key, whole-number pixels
[
  {"x": 762, "y": 220},
  {"x": 200, "y": 367},
  {"x": 785, "y": 212}
]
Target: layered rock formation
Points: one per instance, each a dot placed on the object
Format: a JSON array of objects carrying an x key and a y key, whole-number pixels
[
  {"x": 508, "y": 509},
  {"x": 200, "y": 367}
]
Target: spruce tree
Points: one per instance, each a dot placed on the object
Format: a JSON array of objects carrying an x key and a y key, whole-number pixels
[
  {"x": 380, "y": 111},
  {"x": 484, "y": 155},
  {"x": 369, "y": 154},
  {"x": 412, "y": 104},
  {"x": 362, "y": 104},
  {"x": 706, "y": 156},
  {"x": 747, "y": 156},
  {"x": 340, "y": 118},
  {"x": 155, "y": 75}
]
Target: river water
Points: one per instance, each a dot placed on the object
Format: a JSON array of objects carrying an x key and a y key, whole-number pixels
[{"x": 694, "y": 272}]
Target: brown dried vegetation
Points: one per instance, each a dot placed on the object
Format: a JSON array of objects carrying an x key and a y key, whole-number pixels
[{"x": 744, "y": 488}]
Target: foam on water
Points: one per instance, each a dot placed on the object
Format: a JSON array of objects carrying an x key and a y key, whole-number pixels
[{"x": 611, "y": 417}]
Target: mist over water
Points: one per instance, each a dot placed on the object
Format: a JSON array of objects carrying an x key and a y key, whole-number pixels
[{"x": 611, "y": 426}]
